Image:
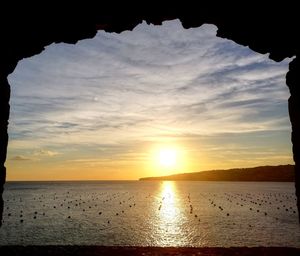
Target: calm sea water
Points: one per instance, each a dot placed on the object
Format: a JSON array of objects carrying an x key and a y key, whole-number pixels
[{"x": 151, "y": 213}]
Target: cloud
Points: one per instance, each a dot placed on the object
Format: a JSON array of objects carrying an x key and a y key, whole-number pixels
[
  {"x": 36, "y": 155},
  {"x": 20, "y": 158},
  {"x": 43, "y": 153},
  {"x": 152, "y": 83}
]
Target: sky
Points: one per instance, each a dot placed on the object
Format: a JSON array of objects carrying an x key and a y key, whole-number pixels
[{"x": 105, "y": 107}]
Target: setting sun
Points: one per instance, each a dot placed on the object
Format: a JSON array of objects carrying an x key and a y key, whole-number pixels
[{"x": 167, "y": 157}]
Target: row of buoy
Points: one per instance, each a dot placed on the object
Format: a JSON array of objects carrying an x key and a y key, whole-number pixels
[
  {"x": 259, "y": 200},
  {"x": 70, "y": 203},
  {"x": 192, "y": 208},
  {"x": 251, "y": 201}
]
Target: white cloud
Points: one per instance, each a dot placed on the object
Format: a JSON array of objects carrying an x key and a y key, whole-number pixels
[
  {"x": 20, "y": 158},
  {"x": 154, "y": 81},
  {"x": 43, "y": 153}
]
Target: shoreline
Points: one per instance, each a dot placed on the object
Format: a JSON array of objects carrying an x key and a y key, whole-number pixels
[{"x": 76, "y": 250}]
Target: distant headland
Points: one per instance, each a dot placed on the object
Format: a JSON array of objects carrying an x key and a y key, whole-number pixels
[{"x": 282, "y": 173}]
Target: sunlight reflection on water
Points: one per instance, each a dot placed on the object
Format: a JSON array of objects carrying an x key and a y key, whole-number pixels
[
  {"x": 151, "y": 214},
  {"x": 170, "y": 209},
  {"x": 169, "y": 223}
]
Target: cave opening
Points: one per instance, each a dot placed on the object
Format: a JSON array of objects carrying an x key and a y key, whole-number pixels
[
  {"x": 92, "y": 96},
  {"x": 154, "y": 80}
]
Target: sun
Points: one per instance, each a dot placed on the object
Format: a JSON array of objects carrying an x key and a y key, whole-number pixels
[{"x": 167, "y": 157}]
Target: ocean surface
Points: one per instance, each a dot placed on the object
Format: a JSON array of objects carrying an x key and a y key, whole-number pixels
[{"x": 150, "y": 213}]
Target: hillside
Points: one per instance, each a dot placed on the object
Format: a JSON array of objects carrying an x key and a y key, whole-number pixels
[{"x": 260, "y": 173}]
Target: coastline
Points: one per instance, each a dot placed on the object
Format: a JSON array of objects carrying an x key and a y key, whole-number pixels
[
  {"x": 76, "y": 250},
  {"x": 279, "y": 173}
]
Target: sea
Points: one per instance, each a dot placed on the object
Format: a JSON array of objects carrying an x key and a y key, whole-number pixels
[{"x": 150, "y": 213}]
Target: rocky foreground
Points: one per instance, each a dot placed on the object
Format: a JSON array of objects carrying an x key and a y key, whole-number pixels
[{"x": 124, "y": 251}]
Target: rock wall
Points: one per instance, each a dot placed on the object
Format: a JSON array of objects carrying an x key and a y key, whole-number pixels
[{"x": 26, "y": 31}]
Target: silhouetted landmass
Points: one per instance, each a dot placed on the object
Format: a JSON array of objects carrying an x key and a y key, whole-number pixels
[{"x": 283, "y": 173}]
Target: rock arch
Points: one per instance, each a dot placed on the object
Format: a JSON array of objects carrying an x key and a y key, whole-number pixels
[{"x": 274, "y": 30}]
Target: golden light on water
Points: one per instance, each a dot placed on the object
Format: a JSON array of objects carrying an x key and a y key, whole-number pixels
[
  {"x": 170, "y": 208},
  {"x": 170, "y": 217}
]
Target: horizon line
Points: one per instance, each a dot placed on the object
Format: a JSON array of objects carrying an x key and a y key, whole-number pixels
[
  {"x": 139, "y": 179},
  {"x": 71, "y": 180}
]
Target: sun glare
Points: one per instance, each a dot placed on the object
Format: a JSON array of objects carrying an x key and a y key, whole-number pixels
[{"x": 167, "y": 157}]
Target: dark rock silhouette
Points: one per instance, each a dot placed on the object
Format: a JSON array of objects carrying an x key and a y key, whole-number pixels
[
  {"x": 82, "y": 250},
  {"x": 271, "y": 29},
  {"x": 261, "y": 173}
]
